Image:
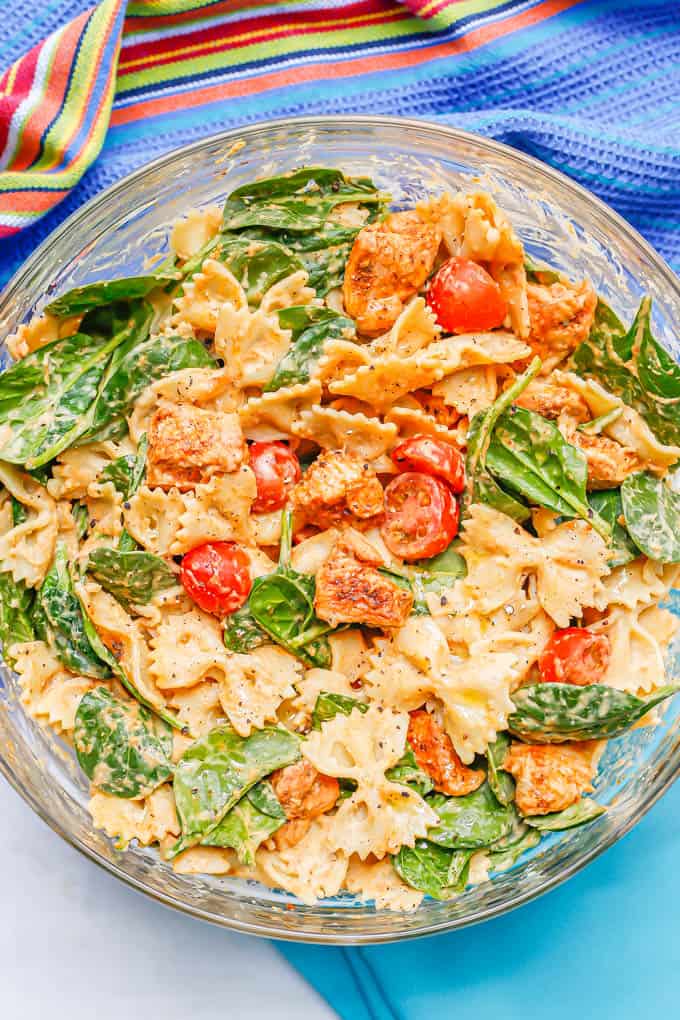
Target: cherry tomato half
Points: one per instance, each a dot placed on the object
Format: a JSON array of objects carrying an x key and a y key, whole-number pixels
[
  {"x": 421, "y": 516},
  {"x": 276, "y": 470},
  {"x": 574, "y": 656},
  {"x": 217, "y": 576},
  {"x": 431, "y": 457},
  {"x": 465, "y": 298}
]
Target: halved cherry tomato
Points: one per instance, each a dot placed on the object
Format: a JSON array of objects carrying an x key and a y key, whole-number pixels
[
  {"x": 217, "y": 576},
  {"x": 574, "y": 656},
  {"x": 421, "y": 516},
  {"x": 465, "y": 298},
  {"x": 276, "y": 469},
  {"x": 431, "y": 457}
]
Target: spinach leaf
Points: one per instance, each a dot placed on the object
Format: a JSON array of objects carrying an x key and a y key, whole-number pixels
[
  {"x": 299, "y": 202},
  {"x": 94, "y": 295},
  {"x": 216, "y": 771},
  {"x": 596, "y": 426},
  {"x": 126, "y": 543},
  {"x": 60, "y": 621},
  {"x": 607, "y": 504},
  {"x": 505, "y": 854},
  {"x": 241, "y": 631},
  {"x": 408, "y": 771},
  {"x": 81, "y": 516},
  {"x": 434, "y": 870},
  {"x": 552, "y": 713},
  {"x": 580, "y": 813},
  {"x": 117, "y": 748},
  {"x": 127, "y": 472},
  {"x": 501, "y": 782},
  {"x": 257, "y": 265},
  {"x": 19, "y": 514},
  {"x": 530, "y": 455},
  {"x": 135, "y": 364},
  {"x": 539, "y": 274},
  {"x": 131, "y": 577},
  {"x": 481, "y": 486},
  {"x": 311, "y": 328},
  {"x": 16, "y": 622},
  {"x": 470, "y": 822},
  {"x": 651, "y": 510},
  {"x": 329, "y": 705},
  {"x": 45, "y": 398},
  {"x": 632, "y": 365},
  {"x": 428, "y": 576},
  {"x": 254, "y": 818},
  {"x": 323, "y": 253}
]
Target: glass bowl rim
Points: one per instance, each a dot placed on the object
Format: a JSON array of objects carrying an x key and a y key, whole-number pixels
[{"x": 273, "y": 930}]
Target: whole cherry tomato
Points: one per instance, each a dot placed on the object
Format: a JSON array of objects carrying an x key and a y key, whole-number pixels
[
  {"x": 431, "y": 457},
  {"x": 217, "y": 576},
  {"x": 574, "y": 656},
  {"x": 465, "y": 298},
  {"x": 276, "y": 470},
  {"x": 421, "y": 516}
]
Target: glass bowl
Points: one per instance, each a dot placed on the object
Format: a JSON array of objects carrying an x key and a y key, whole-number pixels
[{"x": 559, "y": 222}]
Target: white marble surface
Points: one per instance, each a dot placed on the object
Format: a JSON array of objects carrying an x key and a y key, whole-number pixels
[{"x": 76, "y": 942}]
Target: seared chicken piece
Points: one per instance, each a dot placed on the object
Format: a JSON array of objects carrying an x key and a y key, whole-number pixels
[
  {"x": 349, "y": 588},
  {"x": 550, "y": 777},
  {"x": 609, "y": 463},
  {"x": 435, "y": 755},
  {"x": 338, "y": 486},
  {"x": 188, "y": 445},
  {"x": 388, "y": 264},
  {"x": 553, "y": 401},
  {"x": 304, "y": 794},
  {"x": 561, "y": 315}
]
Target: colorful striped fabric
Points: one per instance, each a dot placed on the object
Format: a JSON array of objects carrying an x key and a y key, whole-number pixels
[{"x": 591, "y": 86}]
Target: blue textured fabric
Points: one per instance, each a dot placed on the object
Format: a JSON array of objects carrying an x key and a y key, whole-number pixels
[{"x": 604, "y": 946}]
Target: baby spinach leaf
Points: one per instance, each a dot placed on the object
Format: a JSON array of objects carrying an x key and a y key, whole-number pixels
[
  {"x": 530, "y": 455},
  {"x": 131, "y": 577},
  {"x": 502, "y": 784},
  {"x": 127, "y": 472},
  {"x": 408, "y": 771},
  {"x": 432, "y": 869},
  {"x": 481, "y": 486},
  {"x": 253, "y": 819},
  {"x": 323, "y": 253},
  {"x": 300, "y": 201},
  {"x": 552, "y": 713},
  {"x": 329, "y": 705},
  {"x": 607, "y": 504},
  {"x": 117, "y": 748},
  {"x": 652, "y": 513},
  {"x": 81, "y": 516},
  {"x": 94, "y": 295},
  {"x": 470, "y": 822},
  {"x": 242, "y": 632},
  {"x": 216, "y": 771},
  {"x": 632, "y": 365},
  {"x": 580, "y": 813},
  {"x": 59, "y": 620},
  {"x": 596, "y": 426},
  {"x": 16, "y": 622},
  {"x": 428, "y": 577},
  {"x": 257, "y": 265},
  {"x": 505, "y": 855},
  {"x": 19, "y": 514},
  {"x": 311, "y": 328}
]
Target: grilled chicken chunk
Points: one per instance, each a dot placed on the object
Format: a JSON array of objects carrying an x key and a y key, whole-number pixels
[
  {"x": 304, "y": 794},
  {"x": 561, "y": 315},
  {"x": 550, "y": 777},
  {"x": 435, "y": 755},
  {"x": 338, "y": 486},
  {"x": 188, "y": 445}
]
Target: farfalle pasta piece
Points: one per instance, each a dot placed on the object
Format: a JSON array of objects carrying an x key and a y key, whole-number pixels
[
  {"x": 205, "y": 860},
  {"x": 415, "y": 328},
  {"x": 74, "y": 470},
  {"x": 199, "y": 226},
  {"x": 637, "y": 640},
  {"x": 186, "y": 648},
  {"x": 218, "y": 511},
  {"x": 251, "y": 344},
  {"x": 358, "y": 434},
  {"x": 378, "y": 882},
  {"x": 203, "y": 296},
  {"x": 198, "y": 707},
  {"x": 211, "y": 388},
  {"x": 409, "y": 417},
  {"x": 49, "y": 693},
  {"x": 339, "y": 358},
  {"x": 475, "y": 699},
  {"x": 641, "y": 582},
  {"x": 308, "y": 556},
  {"x": 469, "y": 391},
  {"x": 41, "y": 330},
  {"x": 289, "y": 292},
  {"x": 35, "y": 664},
  {"x": 273, "y": 415},
  {"x": 312, "y": 869},
  {"x": 148, "y": 821},
  {"x": 27, "y": 548},
  {"x": 152, "y": 518},
  {"x": 380, "y": 816},
  {"x": 105, "y": 516},
  {"x": 253, "y": 686}
]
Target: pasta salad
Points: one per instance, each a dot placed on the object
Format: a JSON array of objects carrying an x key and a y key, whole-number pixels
[{"x": 334, "y": 544}]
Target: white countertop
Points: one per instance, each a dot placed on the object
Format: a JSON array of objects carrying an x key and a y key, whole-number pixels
[{"x": 73, "y": 935}]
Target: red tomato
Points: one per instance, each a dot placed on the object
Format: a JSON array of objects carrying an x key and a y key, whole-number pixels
[
  {"x": 574, "y": 656},
  {"x": 217, "y": 576},
  {"x": 276, "y": 469},
  {"x": 464, "y": 298},
  {"x": 431, "y": 457},
  {"x": 421, "y": 516}
]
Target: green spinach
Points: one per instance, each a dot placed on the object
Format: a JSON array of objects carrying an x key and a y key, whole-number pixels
[
  {"x": 426, "y": 577},
  {"x": 242, "y": 633},
  {"x": 254, "y": 818},
  {"x": 328, "y": 705},
  {"x": 16, "y": 615},
  {"x": 553, "y": 713},
  {"x": 127, "y": 472},
  {"x": 501, "y": 782},
  {"x": 434, "y": 870},
  {"x": 651, "y": 510},
  {"x": 506, "y": 853},
  {"x": 311, "y": 327},
  {"x": 216, "y": 771},
  {"x": 131, "y": 577},
  {"x": 257, "y": 265},
  {"x": 470, "y": 822},
  {"x": 580, "y": 813},
  {"x": 608, "y": 506},
  {"x": 94, "y": 295},
  {"x": 117, "y": 747},
  {"x": 408, "y": 771}
]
